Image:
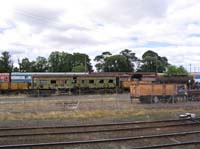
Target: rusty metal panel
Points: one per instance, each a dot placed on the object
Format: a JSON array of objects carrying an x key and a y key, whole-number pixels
[
  {"x": 157, "y": 89},
  {"x": 127, "y": 84},
  {"x": 171, "y": 89},
  {"x": 18, "y": 86},
  {"x": 4, "y": 85},
  {"x": 23, "y": 86},
  {"x": 137, "y": 90},
  {"x": 144, "y": 89},
  {"x": 133, "y": 92},
  {"x": 13, "y": 86}
]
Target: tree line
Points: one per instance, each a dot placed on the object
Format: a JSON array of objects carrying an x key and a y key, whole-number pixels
[{"x": 125, "y": 61}]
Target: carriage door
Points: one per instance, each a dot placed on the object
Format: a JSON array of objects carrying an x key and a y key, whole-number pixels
[{"x": 117, "y": 82}]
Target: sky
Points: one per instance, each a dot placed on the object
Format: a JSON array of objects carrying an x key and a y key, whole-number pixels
[{"x": 32, "y": 28}]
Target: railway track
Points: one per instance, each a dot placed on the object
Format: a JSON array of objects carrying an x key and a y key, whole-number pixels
[
  {"x": 170, "y": 145},
  {"x": 134, "y": 130},
  {"x": 114, "y": 140}
]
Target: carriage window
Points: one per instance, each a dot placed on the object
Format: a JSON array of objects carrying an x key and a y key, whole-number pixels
[
  {"x": 74, "y": 81},
  {"x": 43, "y": 81},
  {"x": 83, "y": 81},
  {"x": 110, "y": 81},
  {"x": 63, "y": 81},
  {"x": 91, "y": 81},
  {"x": 101, "y": 81},
  {"x": 53, "y": 81}
]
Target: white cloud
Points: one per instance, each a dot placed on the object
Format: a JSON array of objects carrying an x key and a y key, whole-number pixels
[{"x": 33, "y": 28}]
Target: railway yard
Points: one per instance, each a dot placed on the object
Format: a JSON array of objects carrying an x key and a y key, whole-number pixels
[
  {"x": 96, "y": 121},
  {"x": 100, "y": 74}
]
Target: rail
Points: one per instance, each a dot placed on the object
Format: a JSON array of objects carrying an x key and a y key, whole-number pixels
[{"x": 99, "y": 140}]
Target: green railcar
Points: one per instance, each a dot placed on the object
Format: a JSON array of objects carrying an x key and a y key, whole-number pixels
[
  {"x": 96, "y": 82},
  {"x": 73, "y": 83},
  {"x": 54, "y": 83}
]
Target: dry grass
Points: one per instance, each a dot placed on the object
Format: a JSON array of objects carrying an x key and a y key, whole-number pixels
[
  {"x": 91, "y": 108},
  {"x": 139, "y": 112}
]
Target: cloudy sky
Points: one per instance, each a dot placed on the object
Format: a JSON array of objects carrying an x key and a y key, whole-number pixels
[{"x": 31, "y": 28}]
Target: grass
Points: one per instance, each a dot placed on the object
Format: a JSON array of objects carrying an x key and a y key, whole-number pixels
[
  {"x": 105, "y": 107},
  {"x": 137, "y": 113}
]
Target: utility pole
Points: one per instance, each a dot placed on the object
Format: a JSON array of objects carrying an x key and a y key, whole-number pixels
[
  {"x": 190, "y": 68},
  {"x": 85, "y": 65},
  {"x": 156, "y": 66}
]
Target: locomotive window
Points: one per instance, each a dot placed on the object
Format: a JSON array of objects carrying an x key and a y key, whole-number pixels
[
  {"x": 91, "y": 81},
  {"x": 110, "y": 81},
  {"x": 53, "y": 81},
  {"x": 101, "y": 81}
]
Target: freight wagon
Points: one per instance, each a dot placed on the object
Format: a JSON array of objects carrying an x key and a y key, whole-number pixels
[
  {"x": 154, "y": 92},
  {"x": 4, "y": 77}
]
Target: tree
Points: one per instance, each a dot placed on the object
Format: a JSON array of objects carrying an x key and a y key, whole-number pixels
[
  {"x": 60, "y": 62},
  {"x": 6, "y": 64},
  {"x": 16, "y": 69},
  {"x": 116, "y": 63},
  {"x": 41, "y": 64},
  {"x": 131, "y": 59},
  {"x": 100, "y": 59},
  {"x": 81, "y": 60},
  {"x": 79, "y": 69},
  {"x": 106, "y": 62},
  {"x": 25, "y": 65},
  {"x": 152, "y": 62},
  {"x": 173, "y": 70},
  {"x": 65, "y": 62}
]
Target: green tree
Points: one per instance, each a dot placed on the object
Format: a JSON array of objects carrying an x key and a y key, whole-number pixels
[
  {"x": 25, "y": 65},
  {"x": 6, "y": 64},
  {"x": 125, "y": 61},
  {"x": 116, "y": 63},
  {"x": 65, "y": 62},
  {"x": 152, "y": 62},
  {"x": 16, "y": 69},
  {"x": 60, "y": 62},
  {"x": 81, "y": 60},
  {"x": 80, "y": 68},
  {"x": 131, "y": 59},
  {"x": 100, "y": 59},
  {"x": 41, "y": 64},
  {"x": 174, "y": 70}
]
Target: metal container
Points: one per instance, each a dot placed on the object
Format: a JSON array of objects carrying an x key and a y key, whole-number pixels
[
  {"x": 4, "y": 85},
  {"x": 18, "y": 86},
  {"x": 4, "y": 77}
]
